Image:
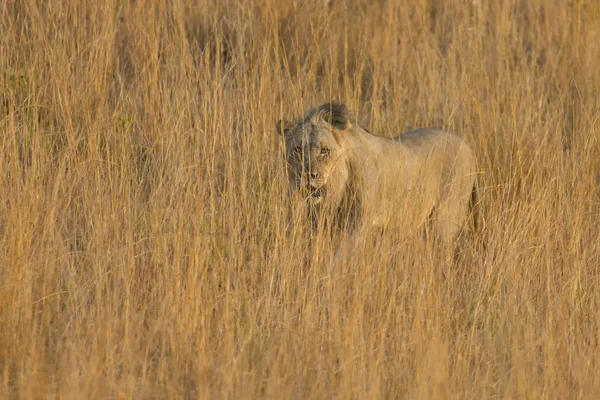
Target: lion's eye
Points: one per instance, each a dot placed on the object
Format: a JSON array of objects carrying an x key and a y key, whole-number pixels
[{"x": 324, "y": 151}]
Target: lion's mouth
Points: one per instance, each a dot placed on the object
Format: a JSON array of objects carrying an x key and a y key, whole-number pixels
[{"x": 316, "y": 194}]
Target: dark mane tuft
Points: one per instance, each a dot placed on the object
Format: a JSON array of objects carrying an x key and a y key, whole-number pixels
[{"x": 331, "y": 111}]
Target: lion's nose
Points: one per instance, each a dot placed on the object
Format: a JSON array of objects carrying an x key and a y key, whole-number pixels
[{"x": 314, "y": 175}]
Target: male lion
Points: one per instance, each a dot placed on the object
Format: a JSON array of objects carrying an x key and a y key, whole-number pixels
[{"x": 357, "y": 179}]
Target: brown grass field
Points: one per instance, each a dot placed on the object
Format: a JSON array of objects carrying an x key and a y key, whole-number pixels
[{"x": 145, "y": 249}]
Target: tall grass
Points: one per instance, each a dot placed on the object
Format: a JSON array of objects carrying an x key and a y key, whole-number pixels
[{"x": 145, "y": 249}]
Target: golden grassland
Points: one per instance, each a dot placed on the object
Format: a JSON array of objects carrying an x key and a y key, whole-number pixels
[{"x": 145, "y": 249}]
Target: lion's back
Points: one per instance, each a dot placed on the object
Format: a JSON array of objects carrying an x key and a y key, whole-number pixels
[{"x": 440, "y": 146}]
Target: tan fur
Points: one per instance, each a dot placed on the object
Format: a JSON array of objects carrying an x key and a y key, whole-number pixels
[{"x": 362, "y": 180}]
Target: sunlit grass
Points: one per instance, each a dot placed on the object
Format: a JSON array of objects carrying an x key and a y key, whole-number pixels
[{"x": 146, "y": 246}]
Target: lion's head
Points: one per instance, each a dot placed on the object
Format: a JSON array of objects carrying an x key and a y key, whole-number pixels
[{"x": 317, "y": 153}]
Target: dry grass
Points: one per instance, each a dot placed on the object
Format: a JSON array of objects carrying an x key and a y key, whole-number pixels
[{"x": 144, "y": 249}]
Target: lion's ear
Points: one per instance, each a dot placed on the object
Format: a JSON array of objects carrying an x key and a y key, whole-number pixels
[
  {"x": 336, "y": 115},
  {"x": 284, "y": 127}
]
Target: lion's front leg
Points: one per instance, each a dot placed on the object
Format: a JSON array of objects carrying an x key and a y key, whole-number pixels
[{"x": 346, "y": 246}]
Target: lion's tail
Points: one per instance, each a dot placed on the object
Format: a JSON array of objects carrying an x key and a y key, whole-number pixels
[{"x": 475, "y": 208}]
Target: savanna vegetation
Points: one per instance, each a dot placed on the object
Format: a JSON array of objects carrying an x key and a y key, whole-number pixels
[{"x": 145, "y": 244}]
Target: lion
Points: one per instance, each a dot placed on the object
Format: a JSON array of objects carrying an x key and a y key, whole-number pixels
[{"x": 356, "y": 179}]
